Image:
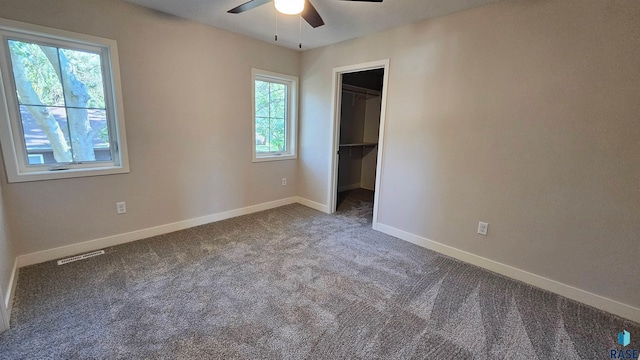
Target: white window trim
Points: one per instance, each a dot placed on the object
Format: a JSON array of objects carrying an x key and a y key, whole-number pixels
[
  {"x": 292, "y": 115},
  {"x": 15, "y": 162}
]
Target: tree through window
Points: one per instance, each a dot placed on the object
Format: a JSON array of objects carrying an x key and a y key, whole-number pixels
[
  {"x": 271, "y": 116},
  {"x": 274, "y": 98},
  {"x": 61, "y": 99},
  {"x": 65, "y": 113}
]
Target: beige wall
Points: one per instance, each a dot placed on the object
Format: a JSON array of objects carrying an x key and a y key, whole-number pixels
[
  {"x": 187, "y": 101},
  {"x": 523, "y": 114}
]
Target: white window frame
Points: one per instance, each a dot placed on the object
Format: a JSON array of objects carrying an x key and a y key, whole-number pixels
[
  {"x": 291, "y": 124},
  {"x": 11, "y": 137}
]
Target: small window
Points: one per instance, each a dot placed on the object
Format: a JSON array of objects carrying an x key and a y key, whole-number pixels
[
  {"x": 274, "y": 116},
  {"x": 62, "y": 101}
]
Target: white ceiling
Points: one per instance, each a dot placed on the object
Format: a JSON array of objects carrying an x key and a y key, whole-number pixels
[{"x": 343, "y": 19}]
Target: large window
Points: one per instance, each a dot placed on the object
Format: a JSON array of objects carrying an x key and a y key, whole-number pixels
[
  {"x": 274, "y": 116},
  {"x": 61, "y": 104}
]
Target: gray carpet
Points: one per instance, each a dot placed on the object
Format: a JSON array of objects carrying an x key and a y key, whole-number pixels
[{"x": 293, "y": 283}]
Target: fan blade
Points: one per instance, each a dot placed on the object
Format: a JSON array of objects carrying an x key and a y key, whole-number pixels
[
  {"x": 247, "y": 6},
  {"x": 310, "y": 14}
]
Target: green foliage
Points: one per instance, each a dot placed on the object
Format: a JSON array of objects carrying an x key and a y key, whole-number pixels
[
  {"x": 44, "y": 78},
  {"x": 40, "y": 72},
  {"x": 69, "y": 83},
  {"x": 88, "y": 69},
  {"x": 103, "y": 135},
  {"x": 271, "y": 115}
]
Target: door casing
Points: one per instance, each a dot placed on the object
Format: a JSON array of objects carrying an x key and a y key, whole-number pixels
[{"x": 335, "y": 141}]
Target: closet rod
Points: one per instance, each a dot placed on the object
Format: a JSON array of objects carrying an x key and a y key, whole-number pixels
[{"x": 359, "y": 90}]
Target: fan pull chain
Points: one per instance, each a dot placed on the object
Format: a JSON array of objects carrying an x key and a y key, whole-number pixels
[
  {"x": 300, "y": 33},
  {"x": 276, "y": 25}
]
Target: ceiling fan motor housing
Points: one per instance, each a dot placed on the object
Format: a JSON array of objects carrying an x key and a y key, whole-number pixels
[{"x": 289, "y": 7}]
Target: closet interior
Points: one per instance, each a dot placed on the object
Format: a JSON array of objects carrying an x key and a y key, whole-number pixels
[{"x": 359, "y": 129}]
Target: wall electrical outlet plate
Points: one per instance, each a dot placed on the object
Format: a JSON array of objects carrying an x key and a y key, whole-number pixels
[
  {"x": 121, "y": 207},
  {"x": 483, "y": 227}
]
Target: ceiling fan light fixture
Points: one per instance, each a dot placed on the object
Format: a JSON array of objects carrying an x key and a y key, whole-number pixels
[{"x": 289, "y": 7}]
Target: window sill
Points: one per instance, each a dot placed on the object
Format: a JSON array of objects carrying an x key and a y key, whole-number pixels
[
  {"x": 65, "y": 174},
  {"x": 274, "y": 158}
]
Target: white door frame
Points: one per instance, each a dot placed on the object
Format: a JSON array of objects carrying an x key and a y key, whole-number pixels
[
  {"x": 335, "y": 141},
  {"x": 4, "y": 319}
]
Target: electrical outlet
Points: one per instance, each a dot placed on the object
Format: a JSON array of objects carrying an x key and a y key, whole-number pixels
[
  {"x": 121, "y": 207},
  {"x": 483, "y": 227},
  {"x": 284, "y": 181}
]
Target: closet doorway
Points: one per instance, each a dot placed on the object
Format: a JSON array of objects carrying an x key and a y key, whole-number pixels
[{"x": 359, "y": 114}]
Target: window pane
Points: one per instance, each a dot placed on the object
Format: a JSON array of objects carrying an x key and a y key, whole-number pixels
[
  {"x": 80, "y": 131},
  {"x": 270, "y": 117},
  {"x": 48, "y": 80},
  {"x": 277, "y": 101},
  {"x": 262, "y": 134},
  {"x": 100, "y": 142},
  {"x": 45, "y": 134},
  {"x": 82, "y": 78},
  {"x": 262, "y": 98},
  {"x": 35, "y": 74},
  {"x": 277, "y": 139},
  {"x": 278, "y": 104}
]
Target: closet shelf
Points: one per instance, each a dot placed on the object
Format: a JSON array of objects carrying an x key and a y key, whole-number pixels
[
  {"x": 357, "y": 90},
  {"x": 364, "y": 144}
]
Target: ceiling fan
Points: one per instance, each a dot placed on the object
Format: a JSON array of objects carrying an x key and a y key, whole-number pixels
[{"x": 291, "y": 7}]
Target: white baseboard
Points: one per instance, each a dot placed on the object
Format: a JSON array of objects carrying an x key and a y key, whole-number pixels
[
  {"x": 585, "y": 297},
  {"x": 312, "y": 204},
  {"x": 597, "y": 301},
  {"x": 348, "y": 187},
  {"x": 92, "y": 245}
]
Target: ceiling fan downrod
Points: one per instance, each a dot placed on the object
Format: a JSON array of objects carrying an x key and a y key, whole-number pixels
[{"x": 300, "y": 33}]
